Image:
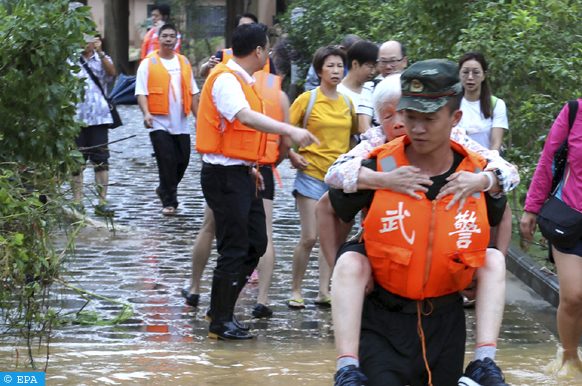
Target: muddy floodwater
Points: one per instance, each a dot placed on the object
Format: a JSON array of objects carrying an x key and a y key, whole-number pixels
[{"x": 146, "y": 262}]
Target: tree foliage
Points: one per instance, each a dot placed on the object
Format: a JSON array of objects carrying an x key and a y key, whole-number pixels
[
  {"x": 38, "y": 92},
  {"x": 533, "y": 46},
  {"x": 534, "y": 49},
  {"x": 37, "y": 131},
  {"x": 326, "y": 22},
  {"x": 428, "y": 28}
]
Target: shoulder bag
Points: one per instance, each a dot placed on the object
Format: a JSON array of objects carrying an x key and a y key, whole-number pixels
[
  {"x": 560, "y": 224},
  {"x": 112, "y": 108}
]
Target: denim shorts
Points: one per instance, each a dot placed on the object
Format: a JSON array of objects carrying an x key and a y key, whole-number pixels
[{"x": 308, "y": 186}]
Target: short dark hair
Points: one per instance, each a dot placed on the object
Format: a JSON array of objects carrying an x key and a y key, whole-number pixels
[
  {"x": 167, "y": 26},
  {"x": 281, "y": 56},
  {"x": 363, "y": 51},
  {"x": 402, "y": 49},
  {"x": 349, "y": 40},
  {"x": 323, "y": 52},
  {"x": 248, "y": 15},
  {"x": 164, "y": 9},
  {"x": 247, "y": 37}
]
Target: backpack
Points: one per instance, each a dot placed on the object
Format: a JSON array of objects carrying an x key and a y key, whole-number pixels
[
  {"x": 494, "y": 100},
  {"x": 312, "y": 97},
  {"x": 561, "y": 155}
]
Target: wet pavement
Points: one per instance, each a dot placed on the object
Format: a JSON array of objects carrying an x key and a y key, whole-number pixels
[{"x": 146, "y": 262}]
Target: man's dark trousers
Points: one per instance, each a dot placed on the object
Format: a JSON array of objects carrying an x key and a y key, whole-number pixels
[
  {"x": 241, "y": 233},
  {"x": 172, "y": 155}
]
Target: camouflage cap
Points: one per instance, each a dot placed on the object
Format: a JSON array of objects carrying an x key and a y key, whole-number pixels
[{"x": 428, "y": 85}]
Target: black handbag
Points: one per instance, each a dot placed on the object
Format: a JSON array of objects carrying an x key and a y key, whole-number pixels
[
  {"x": 112, "y": 108},
  {"x": 559, "y": 223}
]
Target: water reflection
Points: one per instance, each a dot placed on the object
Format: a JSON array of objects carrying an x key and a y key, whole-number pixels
[{"x": 263, "y": 361}]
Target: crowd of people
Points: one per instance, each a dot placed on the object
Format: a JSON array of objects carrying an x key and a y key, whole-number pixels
[{"x": 409, "y": 153}]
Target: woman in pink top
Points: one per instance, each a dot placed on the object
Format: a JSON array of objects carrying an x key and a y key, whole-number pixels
[{"x": 568, "y": 261}]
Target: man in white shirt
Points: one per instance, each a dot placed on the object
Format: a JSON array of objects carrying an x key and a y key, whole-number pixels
[
  {"x": 166, "y": 93},
  {"x": 391, "y": 60},
  {"x": 362, "y": 57},
  {"x": 231, "y": 135}
]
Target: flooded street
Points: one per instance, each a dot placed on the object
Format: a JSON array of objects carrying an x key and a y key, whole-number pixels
[{"x": 146, "y": 262}]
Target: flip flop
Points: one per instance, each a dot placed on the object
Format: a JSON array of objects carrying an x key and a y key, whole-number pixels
[
  {"x": 323, "y": 302},
  {"x": 296, "y": 303},
  {"x": 169, "y": 211}
]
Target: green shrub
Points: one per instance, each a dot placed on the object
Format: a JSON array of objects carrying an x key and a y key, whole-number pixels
[
  {"x": 37, "y": 131},
  {"x": 535, "y": 54},
  {"x": 534, "y": 48}
]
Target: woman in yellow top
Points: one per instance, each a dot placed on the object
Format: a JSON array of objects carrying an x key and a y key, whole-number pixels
[{"x": 330, "y": 116}]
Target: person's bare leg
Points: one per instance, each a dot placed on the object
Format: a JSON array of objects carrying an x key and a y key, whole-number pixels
[
  {"x": 77, "y": 186},
  {"x": 267, "y": 261},
  {"x": 502, "y": 235},
  {"x": 307, "y": 240},
  {"x": 350, "y": 276},
  {"x": 201, "y": 249},
  {"x": 332, "y": 231},
  {"x": 569, "y": 314},
  {"x": 490, "y": 303},
  {"x": 102, "y": 182},
  {"x": 324, "y": 277}
]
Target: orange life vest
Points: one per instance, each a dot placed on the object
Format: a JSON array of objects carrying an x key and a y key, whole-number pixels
[
  {"x": 159, "y": 85},
  {"x": 416, "y": 248},
  {"x": 216, "y": 135},
  {"x": 151, "y": 43},
  {"x": 269, "y": 88},
  {"x": 227, "y": 54}
]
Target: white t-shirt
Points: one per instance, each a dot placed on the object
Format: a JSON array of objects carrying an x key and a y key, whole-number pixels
[
  {"x": 354, "y": 96},
  {"x": 229, "y": 99},
  {"x": 176, "y": 122},
  {"x": 477, "y": 126},
  {"x": 366, "y": 106}
]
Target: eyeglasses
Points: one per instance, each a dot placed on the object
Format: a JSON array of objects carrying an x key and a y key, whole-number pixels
[
  {"x": 476, "y": 73},
  {"x": 389, "y": 62}
]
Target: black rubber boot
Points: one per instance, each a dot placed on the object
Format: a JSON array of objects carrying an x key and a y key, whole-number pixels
[
  {"x": 243, "y": 279},
  {"x": 225, "y": 290},
  {"x": 243, "y": 326},
  {"x": 238, "y": 323}
]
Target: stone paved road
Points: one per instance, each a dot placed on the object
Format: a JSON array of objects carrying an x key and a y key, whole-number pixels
[{"x": 146, "y": 261}]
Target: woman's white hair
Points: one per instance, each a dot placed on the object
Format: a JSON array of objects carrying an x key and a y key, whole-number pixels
[{"x": 387, "y": 90}]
